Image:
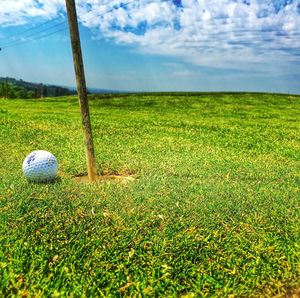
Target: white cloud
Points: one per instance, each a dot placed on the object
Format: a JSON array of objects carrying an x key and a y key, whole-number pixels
[
  {"x": 218, "y": 33},
  {"x": 222, "y": 33},
  {"x": 19, "y": 12}
]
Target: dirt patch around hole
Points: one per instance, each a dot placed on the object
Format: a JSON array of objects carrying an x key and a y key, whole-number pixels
[{"x": 106, "y": 177}]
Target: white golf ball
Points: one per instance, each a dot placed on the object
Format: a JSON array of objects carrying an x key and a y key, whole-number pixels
[{"x": 40, "y": 166}]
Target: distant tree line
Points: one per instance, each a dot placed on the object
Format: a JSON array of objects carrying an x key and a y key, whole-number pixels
[{"x": 12, "y": 88}]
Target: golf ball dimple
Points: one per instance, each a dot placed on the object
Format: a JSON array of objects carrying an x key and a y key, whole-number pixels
[{"x": 40, "y": 166}]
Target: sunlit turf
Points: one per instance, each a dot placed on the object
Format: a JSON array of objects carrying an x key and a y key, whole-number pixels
[{"x": 214, "y": 210}]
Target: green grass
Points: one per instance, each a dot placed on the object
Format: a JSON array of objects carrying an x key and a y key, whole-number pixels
[{"x": 214, "y": 211}]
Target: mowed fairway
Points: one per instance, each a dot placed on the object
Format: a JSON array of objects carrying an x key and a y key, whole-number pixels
[{"x": 214, "y": 210}]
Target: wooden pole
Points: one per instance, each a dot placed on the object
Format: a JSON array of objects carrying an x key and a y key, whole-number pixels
[{"x": 81, "y": 88}]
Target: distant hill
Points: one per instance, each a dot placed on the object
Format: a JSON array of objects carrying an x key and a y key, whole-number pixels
[
  {"x": 104, "y": 91},
  {"x": 13, "y": 88}
]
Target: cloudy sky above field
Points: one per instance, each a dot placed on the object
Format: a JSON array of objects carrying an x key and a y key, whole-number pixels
[{"x": 153, "y": 45}]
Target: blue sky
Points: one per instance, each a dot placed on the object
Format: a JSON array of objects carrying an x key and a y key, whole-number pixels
[{"x": 157, "y": 45}]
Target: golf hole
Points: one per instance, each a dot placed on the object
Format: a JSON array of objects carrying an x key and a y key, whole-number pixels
[{"x": 119, "y": 178}]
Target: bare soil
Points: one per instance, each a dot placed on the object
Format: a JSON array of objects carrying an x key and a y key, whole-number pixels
[{"x": 120, "y": 178}]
